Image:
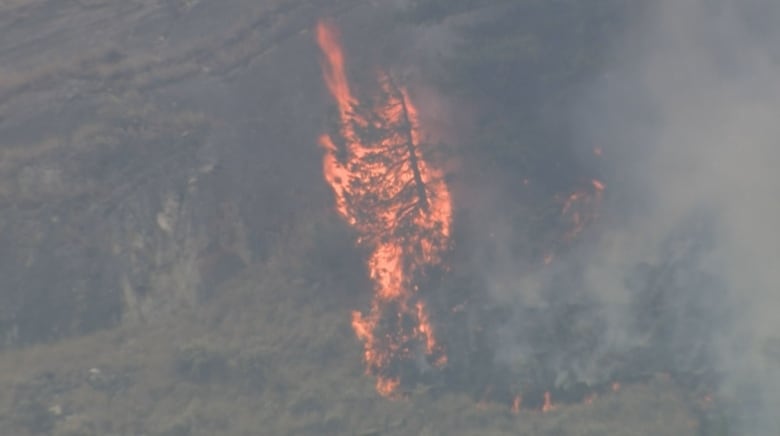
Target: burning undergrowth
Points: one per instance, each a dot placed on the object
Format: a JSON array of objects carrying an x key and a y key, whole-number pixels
[
  {"x": 561, "y": 334},
  {"x": 546, "y": 330}
]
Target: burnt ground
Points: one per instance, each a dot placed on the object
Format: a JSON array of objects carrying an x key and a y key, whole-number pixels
[{"x": 167, "y": 241}]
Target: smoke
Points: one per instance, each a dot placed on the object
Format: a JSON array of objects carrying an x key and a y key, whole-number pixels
[
  {"x": 689, "y": 114},
  {"x": 681, "y": 274}
]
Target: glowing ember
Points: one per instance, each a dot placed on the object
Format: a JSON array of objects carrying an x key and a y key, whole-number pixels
[
  {"x": 548, "y": 405},
  {"x": 386, "y": 386},
  {"x": 398, "y": 203},
  {"x": 516, "y": 403},
  {"x": 706, "y": 402},
  {"x": 581, "y": 207}
]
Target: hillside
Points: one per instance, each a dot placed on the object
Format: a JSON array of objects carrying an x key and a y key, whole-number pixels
[{"x": 173, "y": 261}]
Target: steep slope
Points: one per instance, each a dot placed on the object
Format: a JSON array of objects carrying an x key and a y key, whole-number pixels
[{"x": 172, "y": 264}]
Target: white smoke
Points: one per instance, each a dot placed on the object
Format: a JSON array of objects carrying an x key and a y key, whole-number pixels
[
  {"x": 687, "y": 113},
  {"x": 687, "y": 262},
  {"x": 689, "y": 119}
]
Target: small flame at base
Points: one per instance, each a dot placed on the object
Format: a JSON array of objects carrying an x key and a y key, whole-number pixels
[
  {"x": 516, "y": 403},
  {"x": 548, "y": 404}
]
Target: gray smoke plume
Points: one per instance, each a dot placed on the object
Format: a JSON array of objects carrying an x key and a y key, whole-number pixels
[{"x": 685, "y": 270}]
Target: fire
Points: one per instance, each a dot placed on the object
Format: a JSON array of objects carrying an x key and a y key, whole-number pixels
[
  {"x": 706, "y": 402},
  {"x": 399, "y": 205},
  {"x": 548, "y": 404},
  {"x": 387, "y": 386},
  {"x": 516, "y": 403},
  {"x": 581, "y": 207}
]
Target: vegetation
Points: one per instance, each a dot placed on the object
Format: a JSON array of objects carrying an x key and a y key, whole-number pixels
[{"x": 172, "y": 264}]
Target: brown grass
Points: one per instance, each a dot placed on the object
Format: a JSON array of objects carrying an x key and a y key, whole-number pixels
[{"x": 292, "y": 366}]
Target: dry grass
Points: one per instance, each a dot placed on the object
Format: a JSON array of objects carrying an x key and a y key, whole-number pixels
[
  {"x": 272, "y": 352},
  {"x": 290, "y": 365}
]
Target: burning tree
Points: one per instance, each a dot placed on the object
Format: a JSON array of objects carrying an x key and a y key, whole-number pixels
[{"x": 400, "y": 206}]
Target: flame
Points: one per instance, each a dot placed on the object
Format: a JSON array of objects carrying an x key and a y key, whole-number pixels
[
  {"x": 548, "y": 405},
  {"x": 516, "y": 403},
  {"x": 589, "y": 399},
  {"x": 706, "y": 402},
  {"x": 580, "y": 208},
  {"x": 387, "y": 386},
  {"x": 399, "y": 205}
]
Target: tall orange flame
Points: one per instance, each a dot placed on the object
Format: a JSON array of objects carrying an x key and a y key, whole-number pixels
[{"x": 398, "y": 203}]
